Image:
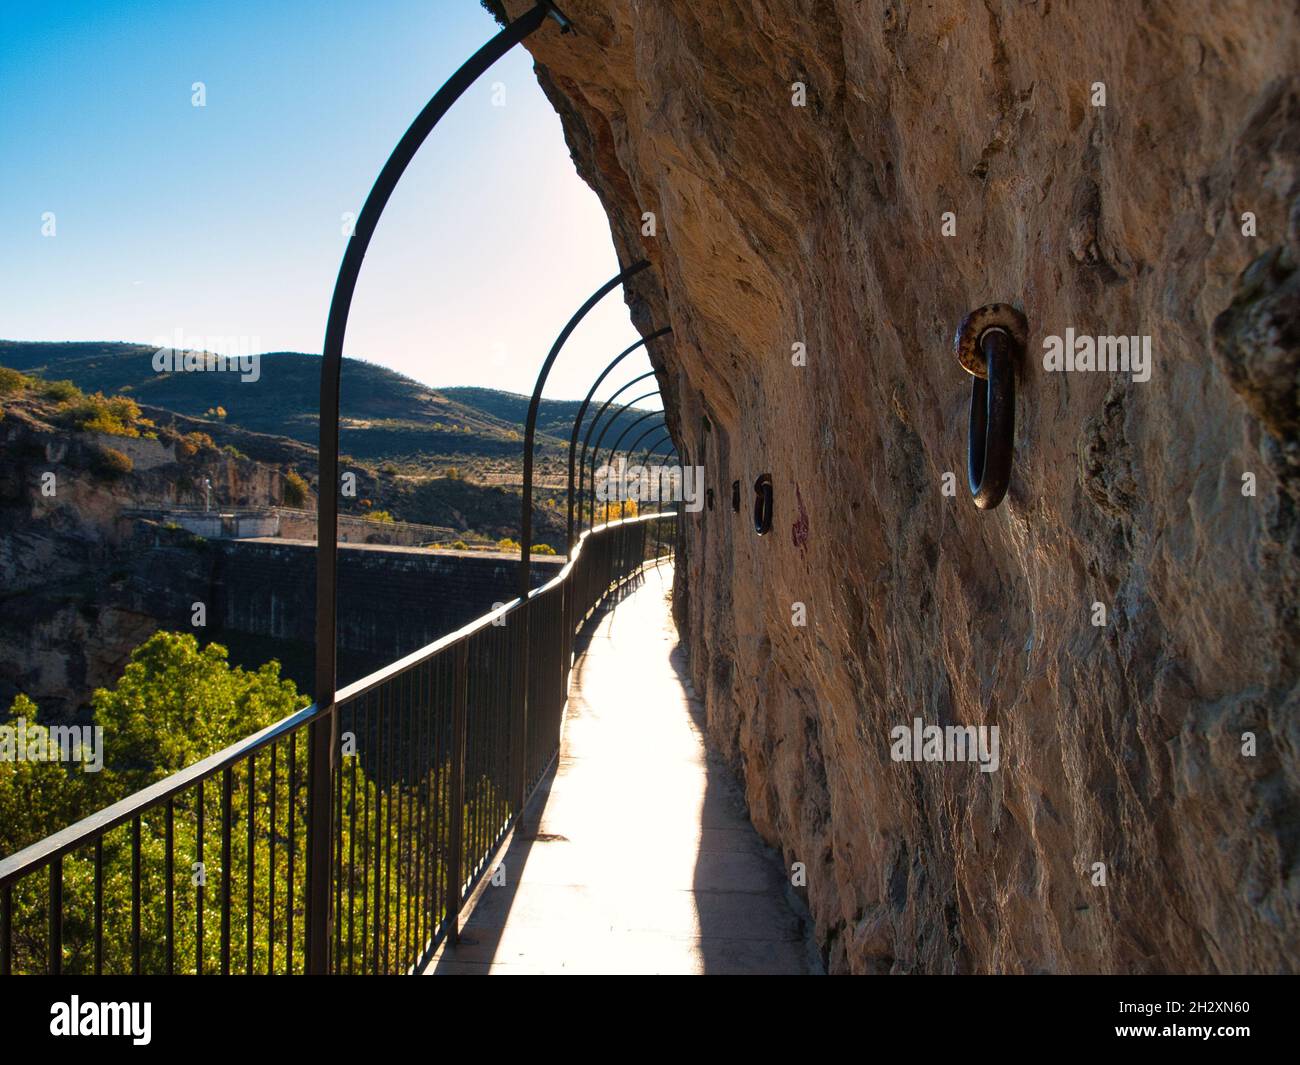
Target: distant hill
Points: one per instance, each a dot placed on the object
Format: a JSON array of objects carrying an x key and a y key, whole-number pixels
[
  {"x": 554, "y": 416},
  {"x": 386, "y": 417}
]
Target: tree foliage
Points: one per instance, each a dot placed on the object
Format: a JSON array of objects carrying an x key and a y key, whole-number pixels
[{"x": 175, "y": 704}]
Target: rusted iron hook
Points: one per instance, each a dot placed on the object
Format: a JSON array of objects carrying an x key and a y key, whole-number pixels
[{"x": 988, "y": 343}]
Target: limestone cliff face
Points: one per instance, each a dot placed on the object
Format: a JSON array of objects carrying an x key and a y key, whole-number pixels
[{"x": 823, "y": 225}]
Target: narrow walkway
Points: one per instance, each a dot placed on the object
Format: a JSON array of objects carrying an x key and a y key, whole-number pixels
[{"x": 638, "y": 856}]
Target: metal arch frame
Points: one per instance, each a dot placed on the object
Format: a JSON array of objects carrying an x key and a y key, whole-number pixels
[
  {"x": 595, "y": 453},
  {"x": 586, "y": 440},
  {"x": 615, "y": 448},
  {"x": 630, "y": 451},
  {"x": 322, "y": 741},
  {"x": 595, "y": 447},
  {"x": 651, "y": 450},
  {"x": 530, "y": 431},
  {"x": 520, "y": 783},
  {"x": 632, "y": 447},
  {"x": 656, "y": 446},
  {"x": 582, "y": 413}
]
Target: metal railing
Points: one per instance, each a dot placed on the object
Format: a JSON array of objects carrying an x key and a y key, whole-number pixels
[{"x": 206, "y": 870}]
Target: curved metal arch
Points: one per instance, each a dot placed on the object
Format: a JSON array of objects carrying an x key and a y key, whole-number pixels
[
  {"x": 651, "y": 450},
  {"x": 322, "y": 732},
  {"x": 582, "y": 462},
  {"x": 595, "y": 448},
  {"x": 530, "y": 430},
  {"x": 630, "y": 451},
  {"x": 609, "y": 456},
  {"x": 582, "y": 413},
  {"x": 656, "y": 446},
  {"x": 595, "y": 452},
  {"x": 631, "y": 448}
]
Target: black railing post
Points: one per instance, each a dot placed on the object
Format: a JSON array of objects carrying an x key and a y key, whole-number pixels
[
  {"x": 459, "y": 718},
  {"x": 520, "y": 711},
  {"x": 56, "y": 916},
  {"x": 322, "y": 738}
]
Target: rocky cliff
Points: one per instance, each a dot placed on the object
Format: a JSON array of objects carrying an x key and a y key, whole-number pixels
[
  {"x": 80, "y": 585},
  {"x": 854, "y": 177}
]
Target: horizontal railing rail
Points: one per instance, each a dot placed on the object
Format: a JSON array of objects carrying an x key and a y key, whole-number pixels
[{"x": 205, "y": 871}]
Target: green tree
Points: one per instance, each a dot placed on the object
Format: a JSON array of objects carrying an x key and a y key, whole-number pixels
[{"x": 175, "y": 704}]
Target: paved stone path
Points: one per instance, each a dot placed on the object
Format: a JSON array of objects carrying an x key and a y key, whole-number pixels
[{"x": 639, "y": 856}]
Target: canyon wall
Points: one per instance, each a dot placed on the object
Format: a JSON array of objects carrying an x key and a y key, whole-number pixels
[{"x": 1115, "y": 168}]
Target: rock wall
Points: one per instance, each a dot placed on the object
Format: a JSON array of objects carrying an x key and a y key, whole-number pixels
[{"x": 823, "y": 224}]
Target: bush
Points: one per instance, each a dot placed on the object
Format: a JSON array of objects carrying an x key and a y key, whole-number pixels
[
  {"x": 543, "y": 549},
  {"x": 234, "y": 452},
  {"x": 114, "y": 415},
  {"x": 192, "y": 443},
  {"x": 452, "y": 473},
  {"x": 62, "y": 391},
  {"x": 12, "y": 381},
  {"x": 295, "y": 490},
  {"x": 114, "y": 463},
  {"x": 507, "y": 544},
  {"x": 380, "y": 515},
  {"x": 458, "y": 545}
]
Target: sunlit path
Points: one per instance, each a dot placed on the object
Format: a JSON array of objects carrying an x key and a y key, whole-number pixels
[{"x": 638, "y": 857}]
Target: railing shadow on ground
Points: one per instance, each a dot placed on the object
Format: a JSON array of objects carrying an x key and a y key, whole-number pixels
[{"x": 207, "y": 870}]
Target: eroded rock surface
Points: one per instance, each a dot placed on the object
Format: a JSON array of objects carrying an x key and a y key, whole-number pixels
[{"x": 822, "y": 225}]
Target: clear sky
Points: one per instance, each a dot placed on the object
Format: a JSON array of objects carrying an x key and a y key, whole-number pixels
[{"x": 226, "y": 220}]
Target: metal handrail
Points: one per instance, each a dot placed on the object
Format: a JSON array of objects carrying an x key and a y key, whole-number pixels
[
  {"x": 323, "y": 739},
  {"x": 81, "y": 832},
  {"x": 433, "y": 869}
]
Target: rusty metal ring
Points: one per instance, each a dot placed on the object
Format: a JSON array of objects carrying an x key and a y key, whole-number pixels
[
  {"x": 966, "y": 342},
  {"x": 991, "y": 444}
]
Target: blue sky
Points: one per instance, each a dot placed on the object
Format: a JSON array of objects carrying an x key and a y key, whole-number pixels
[{"x": 226, "y": 220}]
